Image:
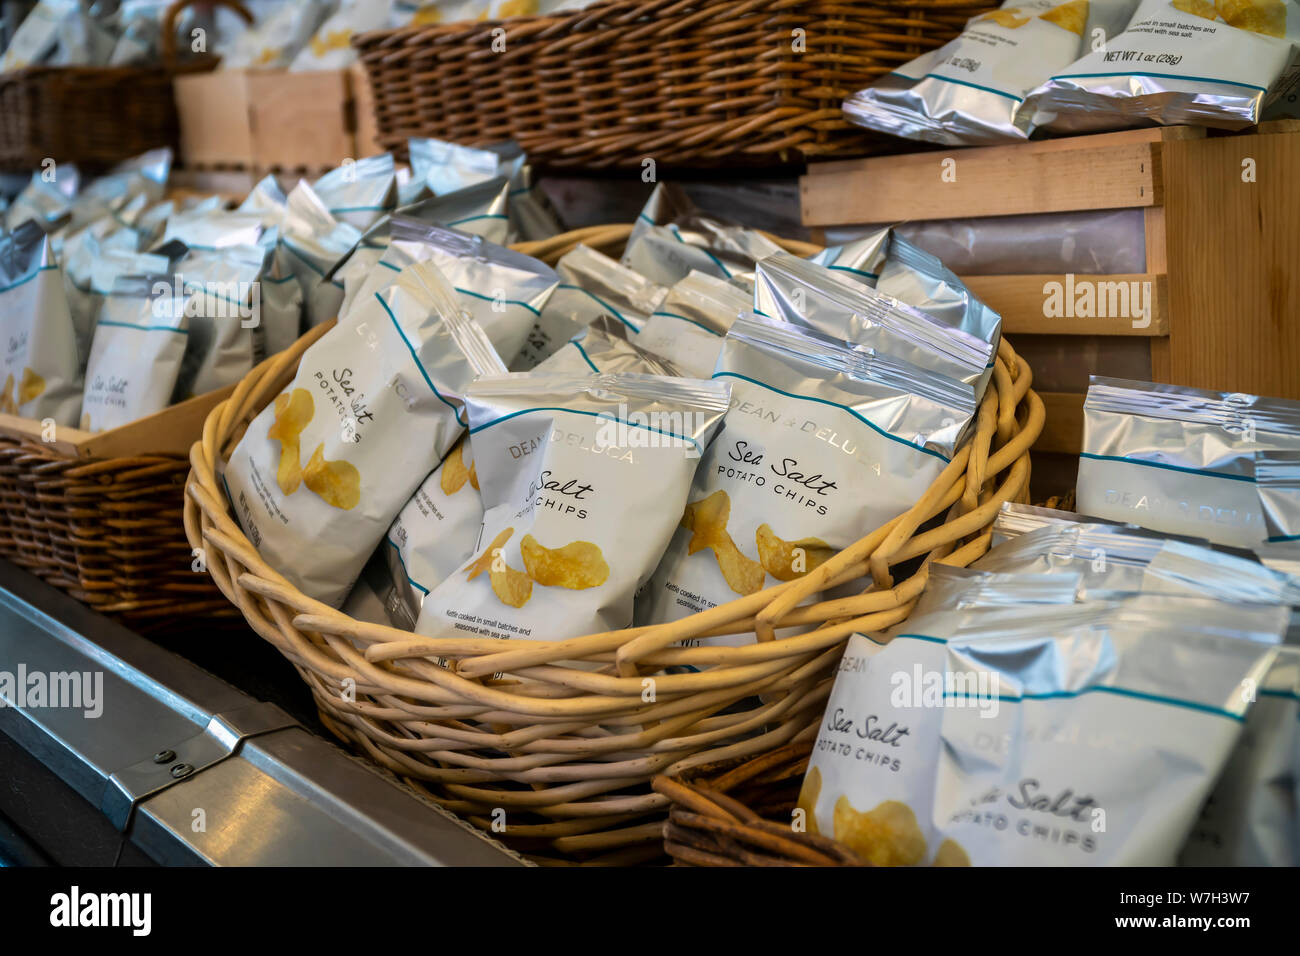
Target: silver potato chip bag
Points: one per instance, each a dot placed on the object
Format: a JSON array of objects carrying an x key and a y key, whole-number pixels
[
  {"x": 1277, "y": 482},
  {"x": 1180, "y": 460},
  {"x": 1036, "y": 735},
  {"x": 135, "y": 359},
  {"x": 824, "y": 442},
  {"x": 566, "y": 464},
  {"x": 688, "y": 326},
  {"x": 598, "y": 349},
  {"x": 377, "y": 402},
  {"x": 311, "y": 242},
  {"x": 41, "y": 370}
]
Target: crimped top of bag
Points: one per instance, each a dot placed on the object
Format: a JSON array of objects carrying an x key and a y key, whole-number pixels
[
  {"x": 604, "y": 391},
  {"x": 598, "y": 275},
  {"x": 1278, "y": 469},
  {"x": 952, "y": 587},
  {"x": 1177, "y": 403},
  {"x": 463, "y": 245}
]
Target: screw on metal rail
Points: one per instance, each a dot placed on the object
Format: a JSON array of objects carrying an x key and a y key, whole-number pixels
[
  {"x": 181, "y": 770},
  {"x": 164, "y": 756}
]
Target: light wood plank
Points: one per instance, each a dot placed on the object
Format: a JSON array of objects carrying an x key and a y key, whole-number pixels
[
  {"x": 1021, "y": 301},
  {"x": 213, "y": 109},
  {"x": 300, "y": 119}
]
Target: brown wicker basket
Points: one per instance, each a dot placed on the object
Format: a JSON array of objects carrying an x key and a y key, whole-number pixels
[
  {"x": 687, "y": 82},
  {"x": 94, "y": 115},
  {"x": 562, "y": 757}
]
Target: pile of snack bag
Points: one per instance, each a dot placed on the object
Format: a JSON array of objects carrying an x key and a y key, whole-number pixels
[
  {"x": 292, "y": 34},
  {"x": 1116, "y": 689},
  {"x": 1087, "y": 65}
]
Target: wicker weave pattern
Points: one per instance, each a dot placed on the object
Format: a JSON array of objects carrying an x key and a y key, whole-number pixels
[
  {"x": 682, "y": 81},
  {"x": 568, "y": 753}
]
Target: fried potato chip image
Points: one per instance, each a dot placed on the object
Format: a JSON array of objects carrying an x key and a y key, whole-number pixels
[
  {"x": 473, "y": 476},
  {"x": 744, "y": 575},
  {"x": 1197, "y": 8},
  {"x": 808, "y": 794},
  {"x": 30, "y": 387},
  {"x": 1009, "y": 18},
  {"x": 707, "y": 521},
  {"x": 1258, "y": 16},
  {"x": 511, "y": 586},
  {"x": 951, "y": 854},
  {"x": 787, "y": 560},
  {"x": 1071, "y": 15},
  {"x": 7, "y": 404},
  {"x": 578, "y": 565},
  {"x": 454, "y": 474},
  {"x": 484, "y": 560},
  {"x": 292, "y": 414},
  {"x": 887, "y": 836},
  {"x": 517, "y": 8},
  {"x": 337, "y": 483}
]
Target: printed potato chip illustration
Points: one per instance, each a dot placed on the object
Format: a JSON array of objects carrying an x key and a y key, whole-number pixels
[
  {"x": 950, "y": 853},
  {"x": 338, "y": 483},
  {"x": 31, "y": 387},
  {"x": 1258, "y": 16},
  {"x": 511, "y": 586},
  {"x": 484, "y": 560},
  {"x": 887, "y": 836},
  {"x": 787, "y": 560},
  {"x": 293, "y": 412},
  {"x": 454, "y": 473},
  {"x": 808, "y": 794},
  {"x": 1010, "y": 17},
  {"x": 707, "y": 521},
  {"x": 7, "y": 397},
  {"x": 1069, "y": 16},
  {"x": 577, "y": 565},
  {"x": 1197, "y": 8}
]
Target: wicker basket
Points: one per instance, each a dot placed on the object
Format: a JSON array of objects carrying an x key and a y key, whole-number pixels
[
  {"x": 94, "y": 115},
  {"x": 562, "y": 756},
  {"x": 687, "y": 82}
]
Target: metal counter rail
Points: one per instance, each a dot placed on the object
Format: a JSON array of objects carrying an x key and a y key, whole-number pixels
[{"x": 114, "y": 751}]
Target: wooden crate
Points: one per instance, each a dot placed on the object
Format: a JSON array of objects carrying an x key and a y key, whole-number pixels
[
  {"x": 274, "y": 120},
  {"x": 1222, "y": 252}
]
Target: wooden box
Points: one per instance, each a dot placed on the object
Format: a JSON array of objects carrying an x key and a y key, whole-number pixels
[
  {"x": 268, "y": 120},
  {"x": 1222, "y": 230}
]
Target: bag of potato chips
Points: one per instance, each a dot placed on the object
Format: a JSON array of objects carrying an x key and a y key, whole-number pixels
[
  {"x": 969, "y": 91},
  {"x": 1014, "y": 519},
  {"x": 913, "y": 276},
  {"x": 824, "y": 442},
  {"x": 859, "y": 260},
  {"x": 1205, "y": 63},
  {"x": 377, "y": 402},
  {"x": 1036, "y": 735},
  {"x": 568, "y": 466},
  {"x": 591, "y": 284},
  {"x": 794, "y": 290},
  {"x": 272, "y": 42},
  {"x": 1180, "y": 460},
  {"x": 1277, "y": 482},
  {"x": 41, "y": 369},
  {"x": 311, "y": 242},
  {"x": 688, "y": 326},
  {"x": 504, "y": 290},
  {"x": 600, "y": 349},
  {"x": 136, "y": 357}
]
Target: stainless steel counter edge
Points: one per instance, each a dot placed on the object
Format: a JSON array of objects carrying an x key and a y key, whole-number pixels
[{"x": 190, "y": 769}]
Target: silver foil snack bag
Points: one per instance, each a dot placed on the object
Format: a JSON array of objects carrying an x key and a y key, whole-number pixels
[
  {"x": 1180, "y": 460},
  {"x": 312, "y": 240},
  {"x": 567, "y": 465},
  {"x": 599, "y": 349},
  {"x": 824, "y": 442},
  {"x": 688, "y": 326},
  {"x": 1277, "y": 482},
  {"x": 377, "y": 402},
  {"x": 1036, "y": 735}
]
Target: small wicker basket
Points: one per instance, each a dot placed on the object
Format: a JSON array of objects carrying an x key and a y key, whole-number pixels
[
  {"x": 562, "y": 757},
  {"x": 686, "y": 82},
  {"x": 94, "y": 115}
]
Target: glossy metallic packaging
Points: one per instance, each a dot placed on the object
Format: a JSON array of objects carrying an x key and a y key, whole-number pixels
[
  {"x": 601, "y": 350},
  {"x": 1277, "y": 480},
  {"x": 688, "y": 326},
  {"x": 1180, "y": 460},
  {"x": 583, "y": 478}
]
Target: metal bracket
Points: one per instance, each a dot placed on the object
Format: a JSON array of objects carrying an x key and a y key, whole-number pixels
[{"x": 177, "y": 762}]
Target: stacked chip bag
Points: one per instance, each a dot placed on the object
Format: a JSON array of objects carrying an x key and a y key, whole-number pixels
[
  {"x": 436, "y": 531},
  {"x": 41, "y": 370},
  {"x": 671, "y": 238},
  {"x": 688, "y": 326},
  {"x": 1180, "y": 460},
  {"x": 1014, "y": 519},
  {"x": 47, "y": 198},
  {"x": 969, "y": 91},
  {"x": 566, "y": 465},
  {"x": 1034, "y": 734},
  {"x": 311, "y": 242},
  {"x": 280, "y": 291},
  {"x": 504, "y": 290},
  {"x": 797, "y": 291},
  {"x": 1277, "y": 482},
  {"x": 824, "y": 442},
  {"x": 591, "y": 284},
  {"x": 913, "y": 276},
  {"x": 273, "y": 42},
  {"x": 136, "y": 358},
  {"x": 375, "y": 405},
  {"x": 330, "y": 47},
  {"x": 860, "y": 260},
  {"x": 1109, "y": 557},
  {"x": 91, "y": 269},
  {"x": 1205, "y": 63}
]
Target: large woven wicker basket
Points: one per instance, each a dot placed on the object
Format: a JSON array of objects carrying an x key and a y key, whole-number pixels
[
  {"x": 689, "y": 82},
  {"x": 94, "y": 115},
  {"x": 556, "y": 760}
]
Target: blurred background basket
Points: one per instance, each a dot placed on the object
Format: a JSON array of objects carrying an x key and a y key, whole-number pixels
[
  {"x": 683, "y": 82},
  {"x": 95, "y": 115},
  {"x": 557, "y": 759}
]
